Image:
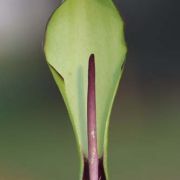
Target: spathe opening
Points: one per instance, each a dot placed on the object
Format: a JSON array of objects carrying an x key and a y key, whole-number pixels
[{"x": 101, "y": 172}]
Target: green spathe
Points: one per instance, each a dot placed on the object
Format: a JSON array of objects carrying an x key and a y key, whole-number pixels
[{"x": 77, "y": 29}]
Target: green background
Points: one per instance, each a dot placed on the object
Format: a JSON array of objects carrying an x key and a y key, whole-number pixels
[{"x": 36, "y": 137}]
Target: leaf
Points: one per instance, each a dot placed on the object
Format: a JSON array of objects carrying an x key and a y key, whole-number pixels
[{"x": 78, "y": 29}]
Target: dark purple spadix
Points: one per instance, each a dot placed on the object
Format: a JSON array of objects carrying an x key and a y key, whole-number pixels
[{"x": 91, "y": 122}]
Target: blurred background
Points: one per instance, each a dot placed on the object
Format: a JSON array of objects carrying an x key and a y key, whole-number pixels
[{"x": 36, "y": 138}]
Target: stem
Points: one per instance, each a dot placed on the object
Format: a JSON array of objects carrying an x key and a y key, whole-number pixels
[{"x": 91, "y": 121}]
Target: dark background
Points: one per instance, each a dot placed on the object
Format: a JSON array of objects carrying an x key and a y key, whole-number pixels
[{"x": 36, "y": 138}]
